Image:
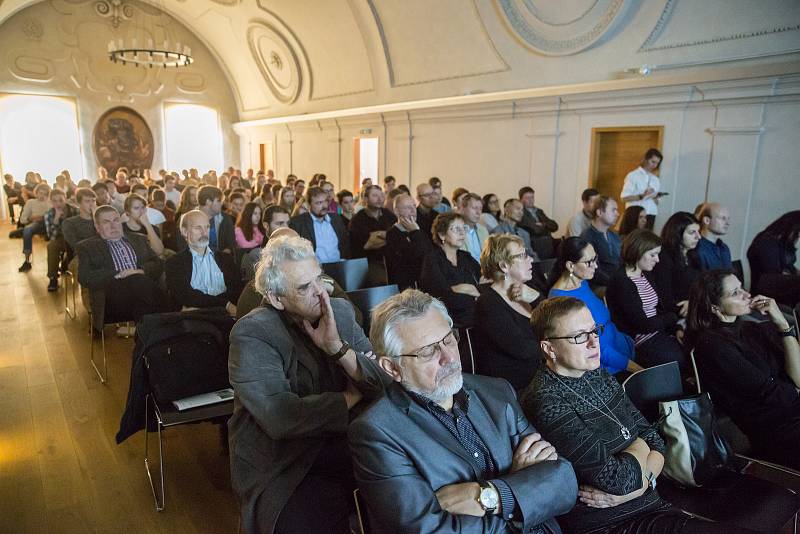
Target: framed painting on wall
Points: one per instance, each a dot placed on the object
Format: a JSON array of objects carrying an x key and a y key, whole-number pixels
[{"x": 122, "y": 138}]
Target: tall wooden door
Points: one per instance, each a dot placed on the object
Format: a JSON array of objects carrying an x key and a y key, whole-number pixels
[{"x": 618, "y": 151}]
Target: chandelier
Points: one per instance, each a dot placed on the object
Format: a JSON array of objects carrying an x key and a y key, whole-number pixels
[{"x": 147, "y": 54}]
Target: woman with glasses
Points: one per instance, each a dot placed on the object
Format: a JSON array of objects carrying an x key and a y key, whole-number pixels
[
  {"x": 490, "y": 216},
  {"x": 637, "y": 306},
  {"x": 504, "y": 342},
  {"x": 674, "y": 273},
  {"x": 584, "y": 413},
  {"x": 450, "y": 274},
  {"x": 751, "y": 369},
  {"x": 574, "y": 268}
]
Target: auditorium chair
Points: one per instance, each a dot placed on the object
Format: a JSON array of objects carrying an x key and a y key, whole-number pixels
[
  {"x": 350, "y": 274},
  {"x": 734, "y": 497},
  {"x": 366, "y": 300}
]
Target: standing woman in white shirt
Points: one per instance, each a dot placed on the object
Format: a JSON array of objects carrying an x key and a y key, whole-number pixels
[{"x": 641, "y": 186}]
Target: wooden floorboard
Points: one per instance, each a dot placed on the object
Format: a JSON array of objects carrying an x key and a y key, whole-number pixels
[{"x": 61, "y": 470}]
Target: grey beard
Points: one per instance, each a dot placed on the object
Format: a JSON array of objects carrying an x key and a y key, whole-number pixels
[{"x": 445, "y": 390}]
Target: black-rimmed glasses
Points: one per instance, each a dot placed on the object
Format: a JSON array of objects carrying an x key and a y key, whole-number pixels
[
  {"x": 582, "y": 337},
  {"x": 428, "y": 352}
]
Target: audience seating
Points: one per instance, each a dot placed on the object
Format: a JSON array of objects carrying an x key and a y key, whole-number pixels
[
  {"x": 70, "y": 286},
  {"x": 544, "y": 247},
  {"x": 738, "y": 270},
  {"x": 350, "y": 274},
  {"x": 361, "y": 513},
  {"x": 166, "y": 416},
  {"x": 736, "y": 498},
  {"x": 366, "y": 299},
  {"x": 465, "y": 349}
]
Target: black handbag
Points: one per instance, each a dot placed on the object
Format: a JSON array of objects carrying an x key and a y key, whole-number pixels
[{"x": 696, "y": 452}]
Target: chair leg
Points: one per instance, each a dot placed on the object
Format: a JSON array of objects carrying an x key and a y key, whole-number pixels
[
  {"x": 104, "y": 375},
  {"x": 471, "y": 354},
  {"x": 69, "y": 284},
  {"x": 158, "y": 496}
]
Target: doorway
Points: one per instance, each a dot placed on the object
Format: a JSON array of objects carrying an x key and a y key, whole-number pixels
[
  {"x": 615, "y": 152},
  {"x": 365, "y": 161}
]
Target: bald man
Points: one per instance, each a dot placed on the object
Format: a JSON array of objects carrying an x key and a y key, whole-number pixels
[
  {"x": 426, "y": 200},
  {"x": 711, "y": 252},
  {"x": 198, "y": 277}
]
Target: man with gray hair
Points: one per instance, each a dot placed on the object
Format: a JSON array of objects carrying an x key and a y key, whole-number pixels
[
  {"x": 446, "y": 452},
  {"x": 298, "y": 366}
]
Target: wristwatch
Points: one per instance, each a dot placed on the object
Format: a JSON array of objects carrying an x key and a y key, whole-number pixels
[
  {"x": 651, "y": 481},
  {"x": 342, "y": 351},
  {"x": 789, "y": 332},
  {"x": 488, "y": 497}
]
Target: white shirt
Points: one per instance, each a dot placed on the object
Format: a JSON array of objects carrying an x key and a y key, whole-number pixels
[
  {"x": 206, "y": 274},
  {"x": 154, "y": 216},
  {"x": 174, "y": 196},
  {"x": 636, "y": 183}
]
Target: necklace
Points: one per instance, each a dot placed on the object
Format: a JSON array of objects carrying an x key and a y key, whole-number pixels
[{"x": 626, "y": 434}]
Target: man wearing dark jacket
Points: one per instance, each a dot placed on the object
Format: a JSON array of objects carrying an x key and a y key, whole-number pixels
[
  {"x": 406, "y": 245},
  {"x": 326, "y": 231},
  {"x": 198, "y": 277},
  {"x": 534, "y": 219}
]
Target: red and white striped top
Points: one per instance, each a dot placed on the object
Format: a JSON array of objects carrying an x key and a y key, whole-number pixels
[{"x": 649, "y": 303}]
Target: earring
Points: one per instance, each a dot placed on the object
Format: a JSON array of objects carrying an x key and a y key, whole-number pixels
[
  {"x": 553, "y": 357},
  {"x": 571, "y": 277}
]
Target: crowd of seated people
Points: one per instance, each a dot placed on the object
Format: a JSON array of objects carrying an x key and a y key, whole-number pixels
[{"x": 253, "y": 248}]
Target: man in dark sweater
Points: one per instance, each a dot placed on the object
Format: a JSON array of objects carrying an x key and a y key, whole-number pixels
[
  {"x": 406, "y": 245},
  {"x": 605, "y": 241},
  {"x": 427, "y": 199},
  {"x": 368, "y": 232}
]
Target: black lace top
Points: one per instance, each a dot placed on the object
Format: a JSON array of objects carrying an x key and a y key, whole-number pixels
[{"x": 572, "y": 414}]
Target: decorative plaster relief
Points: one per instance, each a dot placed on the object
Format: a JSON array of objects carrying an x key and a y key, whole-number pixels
[
  {"x": 561, "y": 28},
  {"x": 192, "y": 83},
  {"x": 675, "y": 26},
  {"x": 33, "y": 29},
  {"x": 30, "y": 68},
  {"x": 276, "y": 60},
  {"x": 116, "y": 10}
]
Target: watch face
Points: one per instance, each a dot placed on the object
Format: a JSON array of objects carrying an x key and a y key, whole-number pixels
[{"x": 489, "y": 498}]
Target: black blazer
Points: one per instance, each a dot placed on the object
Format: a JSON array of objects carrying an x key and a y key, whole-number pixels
[
  {"x": 626, "y": 307},
  {"x": 303, "y": 225},
  {"x": 547, "y": 225},
  {"x": 96, "y": 267},
  {"x": 178, "y": 271},
  {"x": 505, "y": 345}
]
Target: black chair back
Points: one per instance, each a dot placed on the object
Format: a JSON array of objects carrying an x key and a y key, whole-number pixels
[
  {"x": 646, "y": 388},
  {"x": 544, "y": 267},
  {"x": 366, "y": 299},
  {"x": 738, "y": 270},
  {"x": 544, "y": 247},
  {"x": 350, "y": 274}
]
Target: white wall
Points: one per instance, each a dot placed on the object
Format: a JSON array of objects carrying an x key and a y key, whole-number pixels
[{"x": 737, "y": 139}]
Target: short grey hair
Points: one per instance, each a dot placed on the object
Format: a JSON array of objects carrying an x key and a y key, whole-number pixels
[
  {"x": 270, "y": 275},
  {"x": 388, "y": 315}
]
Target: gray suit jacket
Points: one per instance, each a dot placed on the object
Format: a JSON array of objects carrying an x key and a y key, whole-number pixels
[
  {"x": 279, "y": 416},
  {"x": 402, "y": 455}
]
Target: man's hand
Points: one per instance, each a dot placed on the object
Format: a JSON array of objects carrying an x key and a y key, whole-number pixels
[
  {"x": 519, "y": 292},
  {"x": 531, "y": 450},
  {"x": 352, "y": 395},
  {"x": 325, "y": 336},
  {"x": 461, "y": 499},
  {"x": 377, "y": 240},
  {"x": 129, "y": 272},
  {"x": 230, "y": 307},
  {"x": 466, "y": 289},
  {"x": 408, "y": 223},
  {"x": 595, "y": 498}
]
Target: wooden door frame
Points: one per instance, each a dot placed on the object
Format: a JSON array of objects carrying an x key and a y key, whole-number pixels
[{"x": 594, "y": 154}]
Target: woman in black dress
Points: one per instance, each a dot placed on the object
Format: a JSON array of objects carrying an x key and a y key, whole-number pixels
[
  {"x": 450, "y": 274},
  {"x": 584, "y": 412},
  {"x": 505, "y": 345},
  {"x": 772, "y": 256},
  {"x": 751, "y": 369},
  {"x": 674, "y": 274}
]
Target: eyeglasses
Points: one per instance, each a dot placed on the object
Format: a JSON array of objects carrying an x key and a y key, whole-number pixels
[
  {"x": 588, "y": 263},
  {"x": 520, "y": 256},
  {"x": 581, "y": 338},
  {"x": 434, "y": 350},
  {"x": 458, "y": 229}
]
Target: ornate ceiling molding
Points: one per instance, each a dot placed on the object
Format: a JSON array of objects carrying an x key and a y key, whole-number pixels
[
  {"x": 563, "y": 30},
  {"x": 276, "y": 59}
]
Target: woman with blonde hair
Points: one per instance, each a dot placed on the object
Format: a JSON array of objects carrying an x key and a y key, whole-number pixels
[{"x": 505, "y": 345}]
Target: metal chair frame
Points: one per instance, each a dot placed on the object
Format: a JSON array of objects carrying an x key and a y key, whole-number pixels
[{"x": 70, "y": 286}]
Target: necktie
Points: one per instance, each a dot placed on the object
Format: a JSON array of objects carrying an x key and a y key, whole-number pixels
[{"x": 212, "y": 235}]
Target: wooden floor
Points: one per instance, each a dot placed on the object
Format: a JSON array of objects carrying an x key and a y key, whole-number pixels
[{"x": 60, "y": 467}]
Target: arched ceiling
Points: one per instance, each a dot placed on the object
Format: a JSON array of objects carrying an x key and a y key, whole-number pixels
[{"x": 286, "y": 57}]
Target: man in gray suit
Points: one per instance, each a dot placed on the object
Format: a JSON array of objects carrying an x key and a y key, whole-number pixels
[
  {"x": 442, "y": 452},
  {"x": 298, "y": 367}
]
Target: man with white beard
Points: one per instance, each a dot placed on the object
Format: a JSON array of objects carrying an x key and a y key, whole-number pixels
[{"x": 442, "y": 452}]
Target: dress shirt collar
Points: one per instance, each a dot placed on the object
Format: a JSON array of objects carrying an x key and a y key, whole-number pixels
[{"x": 460, "y": 401}]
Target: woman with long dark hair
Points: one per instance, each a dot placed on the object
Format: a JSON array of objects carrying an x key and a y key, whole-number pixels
[
  {"x": 674, "y": 273},
  {"x": 772, "y": 257},
  {"x": 637, "y": 306},
  {"x": 751, "y": 369},
  {"x": 634, "y": 218},
  {"x": 490, "y": 216},
  {"x": 574, "y": 268},
  {"x": 249, "y": 231}
]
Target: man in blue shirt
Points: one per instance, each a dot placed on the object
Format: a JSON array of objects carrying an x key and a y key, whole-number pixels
[
  {"x": 605, "y": 241},
  {"x": 326, "y": 231},
  {"x": 712, "y": 252}
]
